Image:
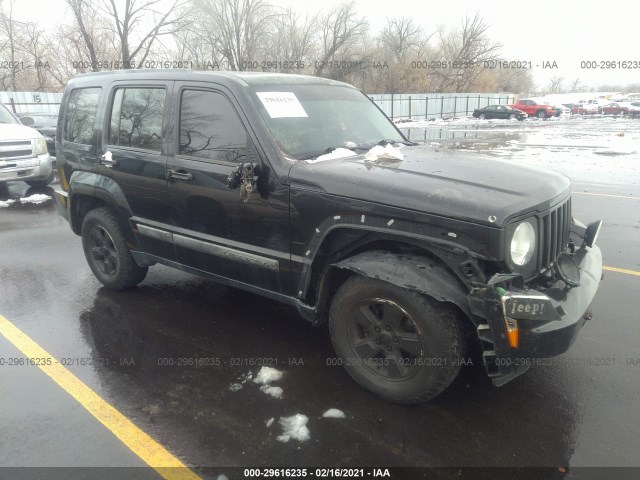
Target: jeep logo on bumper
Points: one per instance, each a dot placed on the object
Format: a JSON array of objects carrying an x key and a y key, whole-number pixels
[{"x": 528, "y": 307}]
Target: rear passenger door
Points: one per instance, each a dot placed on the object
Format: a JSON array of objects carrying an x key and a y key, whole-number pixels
[
  {"x": 215, "y": 230},
  {"x": 134, "y": 157}
]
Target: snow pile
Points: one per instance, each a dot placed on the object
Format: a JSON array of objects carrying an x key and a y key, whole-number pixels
[
  {"x": 234, "y": 387},
  {"x": 275, "y": 392},
  {"x": 337, "y": 153},
  {"x": 6, "y": 203},
  {"x": 334, "y": 413},
  {"x": 35, "y": 198},
  {"x": 269, "y": 422},
  {"x": 294, "y": 427},
  {"x": 267, "y": 375},
  {"x": 386, "y": 152}
]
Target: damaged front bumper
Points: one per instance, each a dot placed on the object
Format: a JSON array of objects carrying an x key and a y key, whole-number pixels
[{"x": 524, "y": 325}]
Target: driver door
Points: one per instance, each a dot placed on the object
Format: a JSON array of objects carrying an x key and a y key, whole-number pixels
[{"x": 215, "y": 229}]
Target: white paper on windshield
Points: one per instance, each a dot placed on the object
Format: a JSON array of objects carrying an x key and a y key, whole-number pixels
[{"x": 282, "y": 104}]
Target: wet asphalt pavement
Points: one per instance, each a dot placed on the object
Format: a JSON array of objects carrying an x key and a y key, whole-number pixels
[{"x": 166, "y": 353}]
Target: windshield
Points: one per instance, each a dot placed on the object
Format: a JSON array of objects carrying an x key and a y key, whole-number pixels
[
  {"x": 5, "y": 115},
  {"x": 309, "y": 120}
]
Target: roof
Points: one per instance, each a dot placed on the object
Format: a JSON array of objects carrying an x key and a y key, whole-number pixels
[{"x": 240, "y": 78}]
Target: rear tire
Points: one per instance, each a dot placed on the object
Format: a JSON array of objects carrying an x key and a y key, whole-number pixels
[
  {"x": 399, "y": 344},
  {"x": 541, "y": 114},
  {"x": 106, "y": 251},
  {"x": 482, "y": 116}
]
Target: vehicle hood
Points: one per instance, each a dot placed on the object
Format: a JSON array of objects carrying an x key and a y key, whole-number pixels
[
  {"x": 17, "y": 132},
  {"x": 447, "y": 183}
]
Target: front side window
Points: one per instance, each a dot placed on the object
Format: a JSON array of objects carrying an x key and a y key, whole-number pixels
[
  {"x": 80, "y": 115},
  {"x": 210, "y": 128},
  {"x": 136, "y": 118}
]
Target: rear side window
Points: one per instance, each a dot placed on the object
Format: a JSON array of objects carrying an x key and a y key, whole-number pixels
[
  {"x": 210, "y": 128},
  {"x": 136, "y": 118},
  {"x": 80, "y": 115}
]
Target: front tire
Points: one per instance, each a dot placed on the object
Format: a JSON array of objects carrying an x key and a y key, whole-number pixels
[
  {"x": 106, "y": 251},
  {"x": 397, "y": 343},
  {"x": 482, "y": 116},
  {"x": 541, "y": 114}
]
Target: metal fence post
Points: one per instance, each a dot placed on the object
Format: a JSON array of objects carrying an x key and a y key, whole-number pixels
[
  {"x": 441, "y": 106},
  {"x": 13, "y": 105},
  {"x": 455, "y": 106},
  {"x": 410, "y": 118},
  {"x": 466, "y": 111},
  {"x": 426, "y": 108},
  {"x": 392, "y": 106}
]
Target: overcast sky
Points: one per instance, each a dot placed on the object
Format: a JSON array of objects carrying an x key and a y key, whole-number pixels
[{"x": 564, "y": 31}]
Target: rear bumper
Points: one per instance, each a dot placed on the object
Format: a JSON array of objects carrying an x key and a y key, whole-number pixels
[
  {"x": 547, "y": 321},
  {"x": 32, "y": 168}
]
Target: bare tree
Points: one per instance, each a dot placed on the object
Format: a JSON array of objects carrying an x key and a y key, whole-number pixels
[
  {"x": 82, "y": 9},
  {"x": 10, "y": 40},
  {"x": 575, "y": 85},
  {"x": 555, "y": 84},
  {"x": 236, "y": 29},
  {"x": 128, "y": 20},
  {"x": 294, "y": 40},
  {"x": 401, "y": 35},
  {"x": 137, "y": 25},
  {"x": 467, "y": 49},
  {"x": 339, "y": 30}
]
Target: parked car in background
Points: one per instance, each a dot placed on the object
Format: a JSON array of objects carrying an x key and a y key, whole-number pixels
[
  {"x": 499, "y": 112},
  {"x": 45, "y": 123},
  {"x": 634, "y": 109},
  {"x": 23, "y": 152},
  {"x": 534, "y": 109},
  {"x": 584, "y": 109},
  {"x": 615, "y": 108}
]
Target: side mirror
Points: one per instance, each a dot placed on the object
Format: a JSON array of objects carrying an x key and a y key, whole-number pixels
[
  {"x": 244, "y": 176},
  {"x": 27, "y": 121}
]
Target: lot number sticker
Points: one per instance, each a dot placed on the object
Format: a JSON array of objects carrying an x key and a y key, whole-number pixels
[{"x": 281, "y": 104}]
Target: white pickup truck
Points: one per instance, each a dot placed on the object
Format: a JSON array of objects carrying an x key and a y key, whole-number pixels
[{"x": 23, "y": 152}]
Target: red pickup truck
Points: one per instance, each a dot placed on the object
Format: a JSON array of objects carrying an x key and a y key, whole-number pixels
[{"x": 534, "y": 109}]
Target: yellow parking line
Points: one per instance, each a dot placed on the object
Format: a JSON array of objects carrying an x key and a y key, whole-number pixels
[
  {"x": 621, "y": 270},
  {"x": 607, "y": 195},
  {"x": 151, "y": 452}
]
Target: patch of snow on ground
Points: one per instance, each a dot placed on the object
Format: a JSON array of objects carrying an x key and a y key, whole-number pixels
[
  {"x": 294, "y": 427},
  {"x": 269, "y": 422},
  {"x": 6, "y": 203},
  {"x": 275, "y": 392},
  {"x": 337, "y": 153},
  {"x": 334, "y": 413},
  {"x": 35, "y": 198},
  {"x": 267, "y": 375},
  {"x": 234, "y": 387}
]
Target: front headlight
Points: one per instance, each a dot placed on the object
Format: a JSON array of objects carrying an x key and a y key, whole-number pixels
[
  {"x": 523, "y": 244},
  {"x": 41, "y": 146}
]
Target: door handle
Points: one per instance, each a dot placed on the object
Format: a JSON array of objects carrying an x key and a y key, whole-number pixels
[
  {"x": 181, "y": 175},
  {"x": 107, "y": 159}
]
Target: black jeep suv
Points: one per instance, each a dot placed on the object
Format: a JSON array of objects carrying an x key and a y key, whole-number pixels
[{"x": 300, "y": 189}]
